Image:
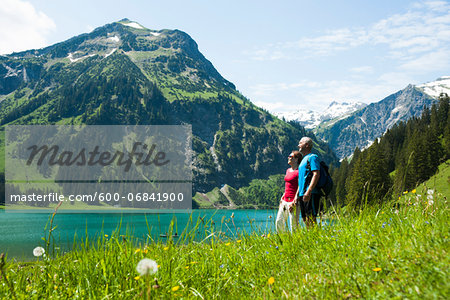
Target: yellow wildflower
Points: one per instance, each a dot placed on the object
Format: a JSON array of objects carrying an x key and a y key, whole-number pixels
[
  {"x": 238, "y": 241},
  {"x": 166, "y": 248},
  {"x": 228, "y": 244},
  {"x": 137, "y": 277},
  {"x": 405, "y": 192},
  {"x": 106, "y": 235},
  {"x": 137, "y": 251},
  {"x": 175, "y": 288},
  {"x": 413, "y": 191},
  {"x": 268, "y": 236},
  {"x": 271, "y": 280},
  {"x": 376, "y": 269}
]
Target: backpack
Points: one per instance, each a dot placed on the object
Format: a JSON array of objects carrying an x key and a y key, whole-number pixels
[{"x": 325, "y": 184}]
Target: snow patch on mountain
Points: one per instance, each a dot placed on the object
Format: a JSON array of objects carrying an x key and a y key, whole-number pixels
[
  {"x": 72, "y": 59},
  {"x": 435, "y": 88},
  {"x": 134, "y": 25},
  {"x": 112, "y": 51},
  {"x": 11, "y": 72},
  {"x": 115, "y": 39},
  {"x": 363, "y": 121},
  {"x": 311, "y": 119}
]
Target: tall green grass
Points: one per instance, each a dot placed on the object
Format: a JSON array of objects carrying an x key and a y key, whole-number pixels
[{"x": 397, "y": 251}]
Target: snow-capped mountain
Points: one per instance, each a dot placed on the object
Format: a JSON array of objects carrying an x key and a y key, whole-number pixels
[
  {"x": 339, "y": 110},
  {"x": 361, "y": 127},
  {"x": 312, "y": 119},
  {"x": 435, "y": 88}
]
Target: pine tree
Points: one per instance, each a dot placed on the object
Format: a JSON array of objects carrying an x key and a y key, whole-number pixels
[
  {"x": 357, "y": 182},
  {"x": 340, "y": 178},
  {"x": 377, "y": 173}
]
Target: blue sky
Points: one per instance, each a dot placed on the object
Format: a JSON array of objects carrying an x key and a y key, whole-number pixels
[{"x": 284, "y": 55}]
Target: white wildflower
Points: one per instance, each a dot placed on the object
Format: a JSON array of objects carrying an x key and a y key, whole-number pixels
[
  {"x": 147, "y": 266},
  {"x": 38, "y": 251}
]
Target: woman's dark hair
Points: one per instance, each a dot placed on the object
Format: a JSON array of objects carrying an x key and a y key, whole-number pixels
[{"x": 297, "y": 155}]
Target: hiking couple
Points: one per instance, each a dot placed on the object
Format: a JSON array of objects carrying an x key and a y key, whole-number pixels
[{"x": 300, "y": 193}]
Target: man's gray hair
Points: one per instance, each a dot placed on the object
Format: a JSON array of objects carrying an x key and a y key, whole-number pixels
[{"x": 308, "y": 141}]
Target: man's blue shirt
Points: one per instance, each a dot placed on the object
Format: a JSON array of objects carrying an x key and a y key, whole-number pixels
[{"x": 314, "y": 162}]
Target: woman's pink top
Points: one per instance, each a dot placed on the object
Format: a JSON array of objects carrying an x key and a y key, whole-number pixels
[{"x": 291, "y": 185}]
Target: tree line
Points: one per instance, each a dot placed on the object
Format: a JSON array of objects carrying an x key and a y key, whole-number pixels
[{"x": 406, "y": 155}]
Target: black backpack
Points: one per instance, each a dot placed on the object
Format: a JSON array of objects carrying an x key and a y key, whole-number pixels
[{"x": 325, "y": 184}]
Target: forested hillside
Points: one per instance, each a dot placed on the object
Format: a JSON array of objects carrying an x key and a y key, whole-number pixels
[{"x": 406, "y": 155}]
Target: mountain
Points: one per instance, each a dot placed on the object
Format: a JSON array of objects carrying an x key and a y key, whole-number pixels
[
  {"x": 363, "y": 126},
  {"x": 124, "y": 73},
  {"x": 435, "y": 88},
  {"x": 312, "y": 119}
]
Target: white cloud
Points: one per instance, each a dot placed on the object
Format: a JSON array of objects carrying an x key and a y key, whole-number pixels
[
  {"x": 434, "y": 61},
  {"x": 410, "y": 46},
  {"x": 272, "y": 106},
  {"x": 316, "y": 95},
  {"x": 22, "y": 27},
  {"x": 275, "y": 88},
  {"x": 362, "y": 69},
  {"x": 424, "y": 28}
]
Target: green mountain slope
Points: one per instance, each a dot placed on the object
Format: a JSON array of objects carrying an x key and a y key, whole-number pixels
[
  {"x": 440, "y": 182},
  {"x": 123, "y": 73}
]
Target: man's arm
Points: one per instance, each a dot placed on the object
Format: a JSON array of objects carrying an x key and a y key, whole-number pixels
[{"x": 312, "y": 185}]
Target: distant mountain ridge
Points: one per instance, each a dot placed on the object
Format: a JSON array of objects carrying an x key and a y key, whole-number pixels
[
  {"x": 360, "y": 128},
  {"x": 311, "y": 119}
]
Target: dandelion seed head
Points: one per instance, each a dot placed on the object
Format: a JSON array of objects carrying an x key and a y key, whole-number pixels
[
  {"x": 147, "y": 266},
  {"x": 38, "y": 251}
]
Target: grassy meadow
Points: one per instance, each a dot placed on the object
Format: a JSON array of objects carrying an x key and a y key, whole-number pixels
[{"x": 397, "y": 251}]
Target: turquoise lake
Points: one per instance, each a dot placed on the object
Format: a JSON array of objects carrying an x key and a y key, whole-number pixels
[{"x": 20, "y": 233}]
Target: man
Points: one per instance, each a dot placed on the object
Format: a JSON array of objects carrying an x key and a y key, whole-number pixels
[{"x": 308, "y": 177}]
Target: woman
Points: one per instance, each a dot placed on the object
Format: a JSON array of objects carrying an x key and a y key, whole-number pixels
[{"x": 286, "y": 209}]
